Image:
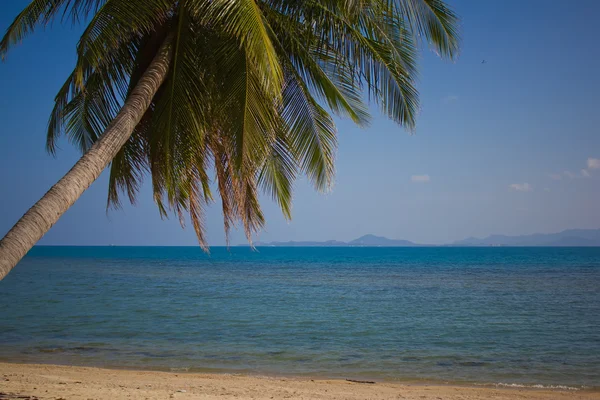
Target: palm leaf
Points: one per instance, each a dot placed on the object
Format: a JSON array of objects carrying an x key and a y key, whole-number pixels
[
  {"x": 312, "y": 133},
  {"x": 38, "y": 12},
  {"x": 435, "y": 21},
  {"x": 243, "y": 20},
  {"x": 279, "y": 172}
]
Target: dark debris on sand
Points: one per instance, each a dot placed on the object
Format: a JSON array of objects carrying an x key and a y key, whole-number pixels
[{"x": 14, "y": 396}]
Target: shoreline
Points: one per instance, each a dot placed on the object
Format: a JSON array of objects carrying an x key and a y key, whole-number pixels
[
  {"x": 48, "y": 381},
  {"x": 250, "y": 373}
]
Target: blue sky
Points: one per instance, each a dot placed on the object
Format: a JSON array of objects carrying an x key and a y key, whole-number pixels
[{"x": 511, "y": 146}]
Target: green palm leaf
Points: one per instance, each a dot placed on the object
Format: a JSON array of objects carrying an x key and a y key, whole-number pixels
[{"x": 244, "y": 20}]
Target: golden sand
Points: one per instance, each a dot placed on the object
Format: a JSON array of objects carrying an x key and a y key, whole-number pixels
[{"x": 32, "y": 381}]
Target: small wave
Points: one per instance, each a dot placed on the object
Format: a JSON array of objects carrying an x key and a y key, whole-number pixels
[
  {"x": 180, "y": 369},
  {"x": 472, "y": 364},
  {"x": 50, "y": 349},
  {"x": 533, "y": 386},
  {"x": 76, "y": 349}
]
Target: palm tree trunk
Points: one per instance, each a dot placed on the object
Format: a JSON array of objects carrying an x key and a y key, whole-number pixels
[{"x": 40, "y": 218}]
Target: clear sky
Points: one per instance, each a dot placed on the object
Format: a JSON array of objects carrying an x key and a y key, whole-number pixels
[{"x": 500, "y": 147}]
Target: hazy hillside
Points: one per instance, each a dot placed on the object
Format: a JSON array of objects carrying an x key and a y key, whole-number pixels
[
  {"x": 570, "y": 237},
  {"x": 366, "y": 241}
]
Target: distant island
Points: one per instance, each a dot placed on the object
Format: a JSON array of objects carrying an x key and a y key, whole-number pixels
[
  {"x": 363, "y": 241},
  {"x": 566, "y": 238},
  {"x": 569, "y": 237}
]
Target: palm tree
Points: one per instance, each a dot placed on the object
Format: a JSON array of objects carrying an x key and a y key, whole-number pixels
[{"x": 238, "y": 90}]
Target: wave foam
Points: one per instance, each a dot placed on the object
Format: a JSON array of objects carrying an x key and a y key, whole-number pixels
[{"x": 534, "y": 386}]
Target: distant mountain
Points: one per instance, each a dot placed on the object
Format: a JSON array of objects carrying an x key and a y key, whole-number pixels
[
  {"x": 364, "y": 241},
  {"x": 328, "y": 243},
  {"x": 570, "y": 237},
  {"x": 372, "y": 240}
]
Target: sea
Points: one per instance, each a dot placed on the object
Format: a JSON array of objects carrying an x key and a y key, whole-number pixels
[{"x": 519, "y": 317}]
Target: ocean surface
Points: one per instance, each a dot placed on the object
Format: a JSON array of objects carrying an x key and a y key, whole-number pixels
[{"x": 490, "y": 316}]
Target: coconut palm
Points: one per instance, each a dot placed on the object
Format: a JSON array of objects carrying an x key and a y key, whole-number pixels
[{"x": 228, "y": 94}]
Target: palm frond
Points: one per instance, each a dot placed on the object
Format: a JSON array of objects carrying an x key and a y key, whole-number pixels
[
  {"x": 131, "y": 163},
  {"x": 312, "y": 133},
  {"x": 385, "y": 70},
  {"x": 248, "y": 113},
  {"x": 252, "y": 216},
  {"x": 114, "y": 25},
  {"x": 178, "y": 122},
  {"x": 224, "y": 176},
  {"x": 128, "y": 168},
  {"x": 279, "y": 172},
  {"x": 435, "y": 21},
  {"x": 38, "y": 12},
  {"x": 324, "y": 72},
  {"x": 83, "y": 113},
  {"x": 244, "y": 20}
]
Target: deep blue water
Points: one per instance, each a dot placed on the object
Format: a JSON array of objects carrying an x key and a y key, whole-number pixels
[{"x": 480, "y": 315}]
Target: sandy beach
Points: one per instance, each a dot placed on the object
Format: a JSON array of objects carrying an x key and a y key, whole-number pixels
[{"x": 33, "y": 381}]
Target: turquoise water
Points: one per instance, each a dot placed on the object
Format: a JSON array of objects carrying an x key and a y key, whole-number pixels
[{"x": 523, "y": 316}]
